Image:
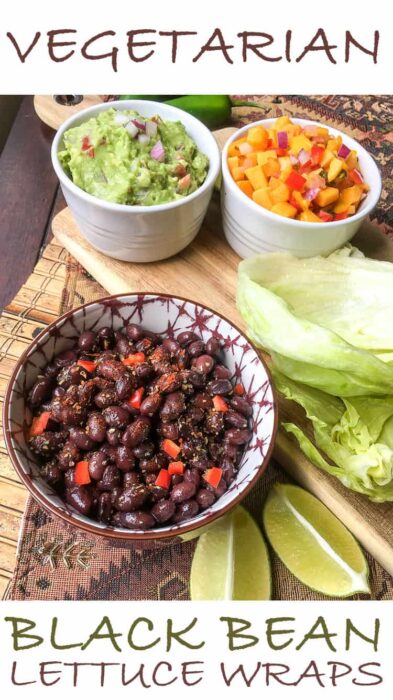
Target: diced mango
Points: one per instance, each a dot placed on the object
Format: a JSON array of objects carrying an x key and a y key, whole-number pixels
[
  {"x": 327, "y": 196},
  {"x": 280, "y": 193},
  {"x": 262, "y": 197},
  {"x": 274, "y": 182},
  {"x": 264, "y": 156},
  {"x": 308, "y": 215},
  {"x": 352, "y": 160},
  {"x": 326, "y": 158},
  {"x": 351, "y": 195},
  {"x": 272, "y": 134},
  {"x": 281, "y": 122},
  {"x": 271, "y": 167},
  {"x": 335, "y": 167},
  {"x": 284, "y": 209},
  {"x": 285, "y": 162},
  {"x": 233, "y": 162},
  {"x": 256, "y": 176},
  {"x": 250, "y": 160},
  {"x": 299, "y": 142},
  {"x": 233, "y": 149},
  {"x": 340, "y": 207},
  {"x": 287, "y": 171},
  {"x": 322, "y": 131},
  {"x": 238, "y": 173},
  {"x": 257, "y": 137},
  {"x": 246, "y": 187},
  {"x": 300, "y": 201},
  {"x": 334, "y": 144}
]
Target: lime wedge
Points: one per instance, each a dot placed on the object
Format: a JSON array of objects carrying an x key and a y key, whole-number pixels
[
  {"x": 231, "y": 561},
  {"x": 313, "y": 543}
]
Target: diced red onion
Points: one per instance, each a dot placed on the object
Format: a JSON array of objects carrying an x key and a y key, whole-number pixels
[
  {"x": 151, "y": 128},
  {"x": 143, "y": 139},
  {"x": 311, "y": 193},
  {"x": 131, "y": 129},
  {"x": 141, "y": 125},
  {"x": 303, "y": 156},
  {"x": 120, "y": 118},
  {"x": 282, "y": 139},
  {"x": 158, "y": 152},
  {"x": 293, "y": 159},
  {"x": 344, "y": 151},
  {"x": 245, "y": 148}
]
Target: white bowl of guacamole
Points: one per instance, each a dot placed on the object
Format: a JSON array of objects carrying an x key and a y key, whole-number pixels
[{"x": 137, "y": 176}]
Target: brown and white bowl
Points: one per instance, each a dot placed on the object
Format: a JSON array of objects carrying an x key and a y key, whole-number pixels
[{"x": 162, "y": 314}]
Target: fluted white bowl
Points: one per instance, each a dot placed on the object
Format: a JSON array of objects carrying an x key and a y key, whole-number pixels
[
  {"x": 132, "y": 232},
  {"x": 250, "y": 228}
]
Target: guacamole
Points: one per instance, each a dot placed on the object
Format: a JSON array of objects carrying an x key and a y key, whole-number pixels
[{"x": 122, "y": 157}]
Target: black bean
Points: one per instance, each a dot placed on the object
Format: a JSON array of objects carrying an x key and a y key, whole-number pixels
[
  {"x": 125, "y": 458},
  {"x": 153, "y": 464},
  {"x": 163, "y": 510},
  {"x": 196, "y": 348},
  {"x": 150, "y": 405},
  {"x": 69, "y": 456},
  {"x": 125, "y": 385},
  {"x": 58, "y": 391},
  {"x": 145, "y": 450},
  {"x": 41, "y": 391},
  {"x": 228, "y": 470},
  {"x": 144, "y": 371},
  {"x": 137, "y": 432},
  {"x": 68, "y": 357},
  {"x": 192, "y": 475},
  {"x": 132, "y": 498},
  {"x": 124, "y": 346},
  {"x": 105, "y": 337},
  {"x": 106, "y": 397},
  {"x": 201, "y": 462},
  {"x": 51, "y": 370},
  {"x": 186, "y": 510},
  {"x": 96, "y": 427},
  {"x": 69, "y": 478},
  {"x": 213, "y": 347},
  {"x": 111, "y": 369},
  {"x": 113, "y": 436},
  {"x": 221, "y": 372},
  {"x": 138, "y": 520},
  {"x": 241, "y": 405},
  {"x": 169, "y": 430},
  {"x": 186, "y": 337},
  {"x": 237, "y": 437},
  {"x": 114, "y": 494},
  {"x": 176, "y": 479},
  {"x": 97, "y": 465},
  {"x": 134, "y": 332},
  {"x": 183, "y": 491},
  {"x": 202, "y": 400},
  {"x": 87, "y": 341},
  {"x": 110, "y": 478},
  {"x": 73, "y": 415},
  {"x": 170, "y": 382},
  {"x": 205, "y": 498},
  {"x": 130, "y": 479},
  {"x": 116, "y": 416},
  {"x": 77, "y": 374},
  {"x": 222, "y": 387},
  {"x": 52, "y": 473},
  {"x": 235, "y": 419},
  {"x": 171, "y": 345},
  {"x": 203, "y": 364},
  {"x": 104, "y": 510},
  {"x": 80, "y": 497},
  {"x": 173, "y": 406},
  {"x": 144, "y": 345},
  {"x": 81, "y": 439}
]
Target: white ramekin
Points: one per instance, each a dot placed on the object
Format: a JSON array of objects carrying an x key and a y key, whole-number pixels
[
  {"x": 251, "y": 229},
  {"x": 140, "y": 233}
]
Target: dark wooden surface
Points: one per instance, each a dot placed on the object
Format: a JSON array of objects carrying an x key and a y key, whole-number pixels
[{"x": 29, "y": 197}]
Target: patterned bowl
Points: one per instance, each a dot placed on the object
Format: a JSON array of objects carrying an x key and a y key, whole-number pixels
[{"x": 162, "y": 314}]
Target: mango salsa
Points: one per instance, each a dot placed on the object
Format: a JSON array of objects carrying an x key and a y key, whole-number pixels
[{"x": 297, "y": 172}]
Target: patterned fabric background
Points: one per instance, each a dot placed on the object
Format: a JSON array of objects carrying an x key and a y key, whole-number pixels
[{"x": 54, "y": 563}]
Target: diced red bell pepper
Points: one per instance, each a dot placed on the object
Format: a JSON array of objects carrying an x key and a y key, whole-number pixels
[
  {"x": 305, "y": 167},
  {"x": 175, "y": 468},
  {"x": 219, "y": 404},
  {"x": 213, "y": 476},
  {"x": 136, "y": 359},
  {"x": 170, "y": 448},
  {"x": 86, "y": 143},
  {"x": 135, "y": 399},
  {"x": 90, "y": 153},
  {"x": 82, "y": 475},
  {"x": 342, "y": 215},
  {"x": 281, "y": 151},
  {"x": 163, "y": 479},
  {"x": 356, "y": 176},
  {"x": 316, "y": 154},
  {"x": 39, "y": 424},
  {"x": 295, "y": 180},
  {"x": 239, "y": 390},
  {"x": 88, "y": 365},
  {"x": 325, "y": 216}
]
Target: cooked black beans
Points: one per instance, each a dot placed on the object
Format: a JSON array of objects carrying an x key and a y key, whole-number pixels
[{"x": 121, "y": 418}]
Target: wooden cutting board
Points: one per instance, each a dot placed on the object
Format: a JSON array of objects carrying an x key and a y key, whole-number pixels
[
  {"x": 53, "y": 113},
  {"x": 206, "y": 271}
]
